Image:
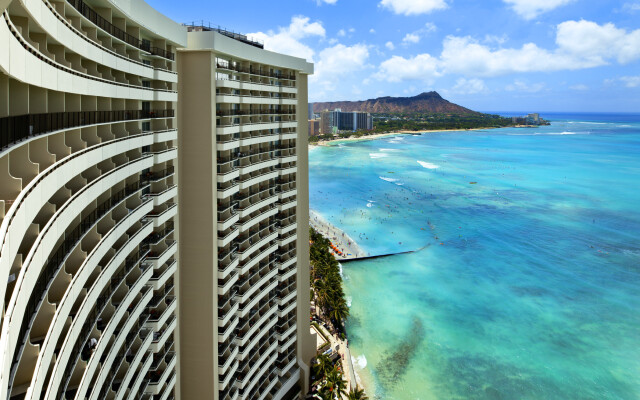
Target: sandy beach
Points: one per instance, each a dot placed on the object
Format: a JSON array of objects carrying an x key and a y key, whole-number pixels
[
  {"x": 344, "y": 242},
  {"x": 387, "y": 134}
]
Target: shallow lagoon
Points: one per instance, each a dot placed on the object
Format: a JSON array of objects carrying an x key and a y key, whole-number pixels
[{"x": 528, "y": 287}]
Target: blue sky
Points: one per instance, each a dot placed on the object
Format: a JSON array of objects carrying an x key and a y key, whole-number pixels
[{"x": 506, "y": 55}]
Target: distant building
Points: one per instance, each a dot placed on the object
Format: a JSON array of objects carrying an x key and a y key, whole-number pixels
[
  {"x": 311, "y": 115},
  {"x": 314, "y": 127},
  {"x": 529, "y": 119},
  {"x": 336, "y": 120}
]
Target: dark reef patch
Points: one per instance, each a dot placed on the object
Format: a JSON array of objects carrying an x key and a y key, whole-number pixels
[{"x": 394, "y": 365}]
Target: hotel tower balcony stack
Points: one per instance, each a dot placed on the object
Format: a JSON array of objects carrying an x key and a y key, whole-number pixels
[
  {"x": 88, "y": 252},
  {"x": 244, "y": 232}
]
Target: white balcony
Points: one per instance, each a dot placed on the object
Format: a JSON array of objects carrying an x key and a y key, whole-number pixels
[
  {"x": 287, "y": 309},
  {"x": 228, "y": 176},
  {"x": 226, "y": 193},
  {"x": 155, "y": 388},
  {"x": 263, "y": 203},
  {"x": 155, "y": 325},
  {"x": 164, "y": 156},
  {"x": 164, "y": 136},
  {"x": 158, "y": 282},
  {"x": 286, "y": 206},
  {"x": 157, "y": 345},
  {"x": 161, "y": 259},
  {"x": 164, "y": 196}
]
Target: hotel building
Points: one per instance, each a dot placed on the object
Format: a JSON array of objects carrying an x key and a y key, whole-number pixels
[
  {"x": 244, "y": 232},
  {"x": 88, "y": 138},
  {"x": 101, "y": 300},
  {"x": 333, "y": 121}
]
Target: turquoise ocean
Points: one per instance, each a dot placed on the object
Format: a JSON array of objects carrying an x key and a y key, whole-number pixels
[{"x": 526, "y": 282}]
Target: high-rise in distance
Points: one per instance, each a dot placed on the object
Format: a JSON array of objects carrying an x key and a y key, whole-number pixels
[{"x": 98, "y": 297}]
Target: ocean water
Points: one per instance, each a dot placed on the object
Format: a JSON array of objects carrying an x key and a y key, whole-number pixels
[{"x": 525, "y": 284}]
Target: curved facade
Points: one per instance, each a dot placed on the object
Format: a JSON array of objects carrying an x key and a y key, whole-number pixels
[
  {"x": 243, "y": 221},
  {"x": 88, "y": 137}
]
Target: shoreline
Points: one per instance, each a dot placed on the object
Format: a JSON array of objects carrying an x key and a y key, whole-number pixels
[
  {"x": 389, "y": 134},
  {"x": 355, "y": 378},
  {"x": 337, "y": 236}
]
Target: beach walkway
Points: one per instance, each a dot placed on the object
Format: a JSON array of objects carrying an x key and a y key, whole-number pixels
[{"x": 345, "y": 356}]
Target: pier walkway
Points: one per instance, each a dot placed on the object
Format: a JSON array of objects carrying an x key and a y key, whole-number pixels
[{"x": 349, "y": 259}]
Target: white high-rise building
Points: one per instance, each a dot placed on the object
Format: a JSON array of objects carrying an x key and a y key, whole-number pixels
[
  {"x": 244, "y": 222},
  {"x": 87, "y": 187},
  {"x": 101, "y": 300}
]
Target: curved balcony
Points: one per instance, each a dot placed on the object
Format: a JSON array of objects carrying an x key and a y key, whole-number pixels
[
  {"x": 245, "y": 333},
  {"x": 256, "y": 246},
  {"x": 116, "y": 32},
  {"x": 263, "y": 214},
  {"x": 79, "y": 334},
  {"x": 30, "y": 200},
  {"x": 18, "y": 128},
  {"x": 253, "y": 178},
  {"x": 112, "y": 360},
  {"x": 253, "y": 71},
  {"x": 167, "y": 394},
  {"x": 157, "y": 382},
  {"x": 24, "y": 307},
  {"x": 157, "y": 320},
  {"x": 266, "y": 361},
  {"x": 138, "y": 384},
  {"x": 163, "y": 196},
  {"x": 124, "y": 355},
  {"x": 81, "y": 83},
  {"x": 161, "y": 276},
  {"x": 138, "y": 287},
  {"x": 66, "y": 34},
  {"x": 64, "y": 308},
  {"x": 133, "y": 365},
  {"x": 160, "y": 338}
]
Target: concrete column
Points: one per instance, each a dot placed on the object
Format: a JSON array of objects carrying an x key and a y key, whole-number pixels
[
  {"x": 198, "y": 311},
  {"x": 306, "y": 341}
]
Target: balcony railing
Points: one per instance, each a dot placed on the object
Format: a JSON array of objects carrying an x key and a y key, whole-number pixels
[
  {"x": 56, "y": 261},
  {"x": 253, "y": 71},
  {"x": 116, "y": 32},
  {"x": 15, "y": 129}
]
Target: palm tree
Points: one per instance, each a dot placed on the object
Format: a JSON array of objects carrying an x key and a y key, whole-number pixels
[
  {"x": 339, "y": 310},
  {"x": 357, "y": 394},
  {"x": 336, "y": 382},
  {"x": 324, "y": 365}
]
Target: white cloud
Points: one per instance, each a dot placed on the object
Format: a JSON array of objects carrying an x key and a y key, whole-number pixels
[
  {"x": 530, "y": 9},
  {"x": 342, "y": 32},
  {"x": 372, "y": 30},
  {"x": 320, "y": 2},
  {"x": 470, "y": 86},
  {"x": 464, "y": 55},
  {"x": 413, "y": 7},
  {"x": 411, "y": 38},
  {"x": 414, "y": 37},
  {"x": 631, "y": 81},
  {"x": 499, "y": 40},
  {"x": 389, "y": 45},
  {"x": 337, "y": 61},
  {"x": 631, "y": 7},
  {"x": 579, "y": 45},
  {"x": 429, "y": 27},
  {"x": 579, "y": 87},
  {"x": 595, "y": 42},
  {"x": 521, "y": 86},
  {"x": 422, "y": 67},
  {"x": 287, "y": 39}
]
